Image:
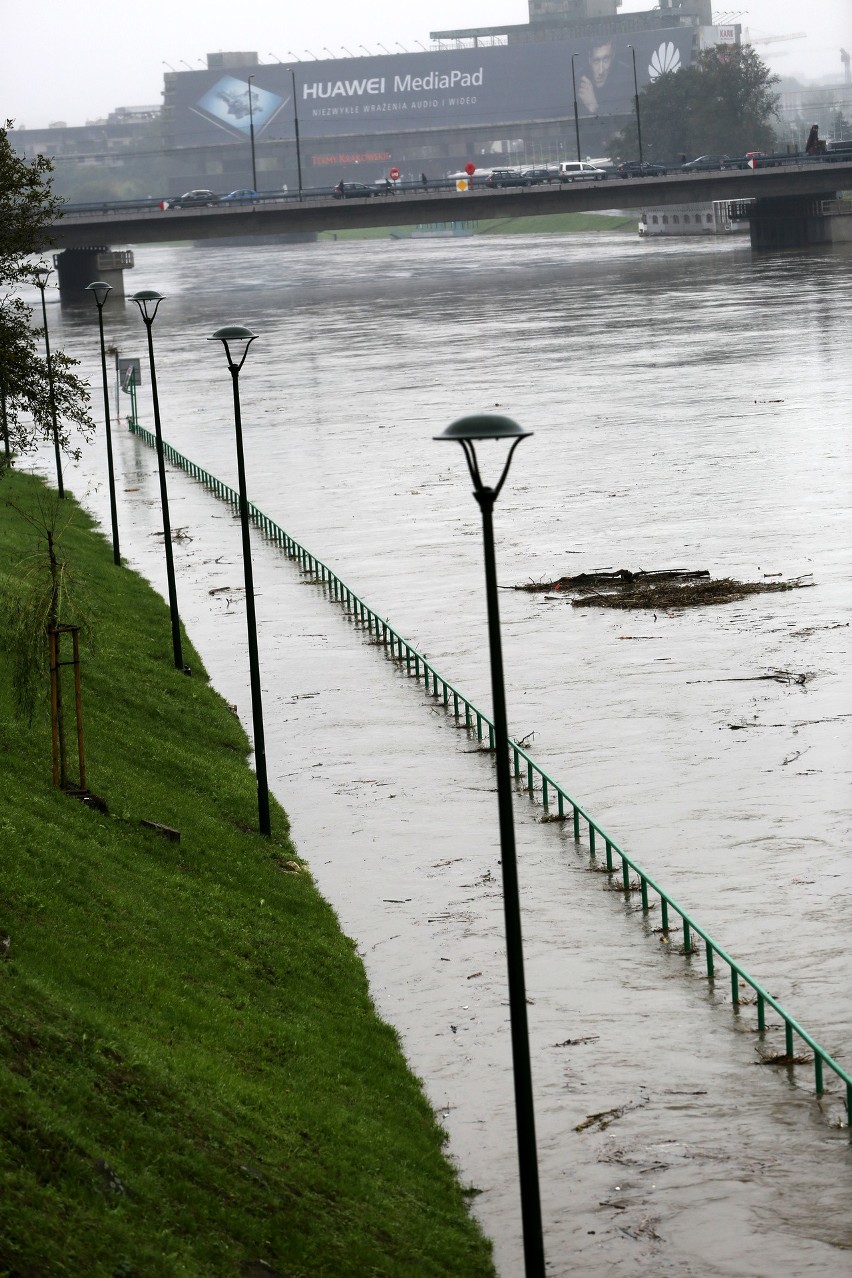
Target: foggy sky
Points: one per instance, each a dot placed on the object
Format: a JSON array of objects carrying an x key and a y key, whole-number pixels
[{"x": 77, "y": 62}]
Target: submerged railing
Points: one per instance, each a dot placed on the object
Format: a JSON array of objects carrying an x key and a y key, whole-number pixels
[{"x": 535, "y": 781}]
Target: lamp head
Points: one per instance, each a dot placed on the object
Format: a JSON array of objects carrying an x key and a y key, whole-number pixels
[
  {"x": 148, "y": 300},
  {"x": 234, "y": 334},
  {"x": 100, "y": 290},
  {"x": 469, "y": 430},
  {"x": 484, "y": 426}
]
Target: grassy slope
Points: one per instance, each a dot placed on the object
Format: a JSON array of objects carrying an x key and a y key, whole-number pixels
[
  {"x": 549, "y": 224},
  {"x": 192, "y": 1076}
]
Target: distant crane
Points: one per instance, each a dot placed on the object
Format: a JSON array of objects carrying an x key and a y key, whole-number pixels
[
  {"x": 844, "y": 58},
  {"x": 773, "y": 39}
]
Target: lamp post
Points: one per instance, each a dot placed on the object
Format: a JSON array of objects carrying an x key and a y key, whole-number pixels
[
  {"x": 100, "y": 290},
  {"x": 636, "y": 100},
  {"x": 148, "y": 302},
  {"x": 466, "y": 431},
  {"x": 576, "y": 116},
  {"x": 236, "y": 334},
  {"x": 4, "y": 426},
  {"x": 251, "y": 136},
  {"x": 41, "y": 273},
  {"x": 296, "y": 130}
]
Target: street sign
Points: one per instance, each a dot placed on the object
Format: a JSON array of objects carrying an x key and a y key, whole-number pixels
[
  {"x": 129, "y": 369},
  {"x": 394, "y": 175}
]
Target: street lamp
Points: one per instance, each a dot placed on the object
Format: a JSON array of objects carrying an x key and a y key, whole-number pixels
[
  {"x": 576, "y": 117},
  {"x": 296, "y": 130},
  {"x": 636, "y": 100},
  {"x": 251, "y": 136},
  {"x": 466, "y": 431},
  {"x": 148, "y": 302},
  {"x": 41, "y": 273},
  {"x": 382, "y": 47},
  {"x": 4, "y": 426},
  {"x": 100, "y": 290},
  {"x": 238, "y": 335}
]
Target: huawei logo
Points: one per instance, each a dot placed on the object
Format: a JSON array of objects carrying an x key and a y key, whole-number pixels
[{"x": 663, "y": 60}]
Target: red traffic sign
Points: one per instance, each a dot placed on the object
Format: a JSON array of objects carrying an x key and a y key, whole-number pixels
[
  {"x": 470, "y": 168},
  {"x": 394, "y": 175}
]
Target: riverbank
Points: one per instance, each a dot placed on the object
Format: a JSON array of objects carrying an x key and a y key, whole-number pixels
[
  {"x": 547, "y": 224},
  {"x": 194, "y": 1080}
]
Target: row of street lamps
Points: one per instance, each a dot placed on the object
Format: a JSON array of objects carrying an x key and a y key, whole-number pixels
[
  {"x": 148, "y": 302},
  {"x": 468, "y": 431}
]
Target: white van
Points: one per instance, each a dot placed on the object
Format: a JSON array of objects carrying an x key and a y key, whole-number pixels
[{"x": 580, "y": 171}]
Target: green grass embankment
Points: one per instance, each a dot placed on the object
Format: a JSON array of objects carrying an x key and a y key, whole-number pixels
[
  {"x": 193, "y": 1080},
  {"x": 549, "y": 224}
]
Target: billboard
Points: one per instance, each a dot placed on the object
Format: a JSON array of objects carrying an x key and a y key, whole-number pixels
[{"x": 450, "y": 89}]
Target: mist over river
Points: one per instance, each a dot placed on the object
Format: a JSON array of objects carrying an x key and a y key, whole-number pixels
[{"x": 691, "y": 409}]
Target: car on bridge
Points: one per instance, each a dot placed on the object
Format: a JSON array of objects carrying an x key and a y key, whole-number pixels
[
  {"x": 705, "y": 162},
  {"x": 542, "y": 173},
  {"x": 353, "y": 191},
  {"x": 580, "y": 171},
  {"x": 194, "y": 199},
  {"x": 238, "y": 197},
  {"x": 640, "y": 168},
  {"x": 507, "y": 177}
]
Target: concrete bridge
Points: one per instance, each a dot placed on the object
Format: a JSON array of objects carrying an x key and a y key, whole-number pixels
[{"x": 789, "y": 210}]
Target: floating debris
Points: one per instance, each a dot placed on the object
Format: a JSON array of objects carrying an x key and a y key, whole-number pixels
[{"x": 664, "y": 590}]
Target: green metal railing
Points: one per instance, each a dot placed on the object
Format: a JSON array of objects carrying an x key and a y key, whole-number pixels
[{"x": 533, "y": 779}]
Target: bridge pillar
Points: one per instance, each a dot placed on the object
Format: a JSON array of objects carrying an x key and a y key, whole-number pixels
[
  {"x": 790, "y": 222},
  {"x": 77, "y": 267}
]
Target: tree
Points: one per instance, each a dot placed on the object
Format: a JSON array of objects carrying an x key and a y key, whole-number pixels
[
  {"x": 27, "y": 206},
  {"x": 722, "y": 104}
]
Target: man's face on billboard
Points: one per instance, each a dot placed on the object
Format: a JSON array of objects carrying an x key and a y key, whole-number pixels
[{"x": 600, "y": 62}]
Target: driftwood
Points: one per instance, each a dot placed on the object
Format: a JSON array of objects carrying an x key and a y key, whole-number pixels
[
  {"x": 590, "y": 581},
  {"x": 663, "y": 590}
]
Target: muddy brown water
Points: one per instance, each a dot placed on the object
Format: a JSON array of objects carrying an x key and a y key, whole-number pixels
[{"x": 691, "y": 410}]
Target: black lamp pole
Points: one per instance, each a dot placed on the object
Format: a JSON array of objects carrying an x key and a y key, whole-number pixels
[
  {"x": 251, "y": 136},
  {"x": 636, "y": 100},
  {"x": 4, "y": 424},
  {"x": 466, "y": 431},
  {"x": 576, "y": 117},
  {"x": 296, "y": 130},
  {"x": 100, "y": 290},
  {"x": 235, "y": 333},
  {"x": 148, "y": 302},
  {"x": 42, "y": 272}
]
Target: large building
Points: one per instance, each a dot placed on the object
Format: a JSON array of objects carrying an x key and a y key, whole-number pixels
[{"x": 494, "y": 95}]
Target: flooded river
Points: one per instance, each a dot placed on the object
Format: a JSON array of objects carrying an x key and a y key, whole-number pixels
[{"x": 690, "y": 405}]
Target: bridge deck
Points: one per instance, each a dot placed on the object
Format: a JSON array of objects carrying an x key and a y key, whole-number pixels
[{"x": 119, "y": 225}]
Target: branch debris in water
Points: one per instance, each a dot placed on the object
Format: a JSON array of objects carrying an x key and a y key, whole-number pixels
[{"x": 663, "y": 590}]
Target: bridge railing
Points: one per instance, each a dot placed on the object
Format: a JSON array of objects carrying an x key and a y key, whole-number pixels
[{"x": 532, "y": 778}]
